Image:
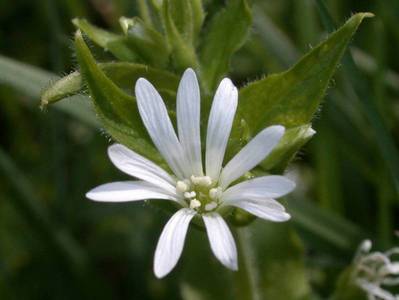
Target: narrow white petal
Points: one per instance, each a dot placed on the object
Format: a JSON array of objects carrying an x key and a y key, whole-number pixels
[
  {"x": 219, "y": 126},
  {"x": 273, "y": 186},
  {"x": 221, "y": 240},
  {"x": 171, "y": 242},
  {"x": 123, "y": 191},
  {"x": 136, "y": 165},
  {"x": 252, "y": 154},
  {"x": 156, "y": 119},
  {"x": 188, "y": 120},
  {"x": 375, "y": 290},
  {"x": 268, "y": 209}
]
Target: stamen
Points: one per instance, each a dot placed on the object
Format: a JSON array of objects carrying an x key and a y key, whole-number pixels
[
  {"x": 211, "y": 206},
  {"x": 195, "y": 180},
  {"x": 215, "y": 193},
  {"x": 190, "y": 194},
  {"x": 194, "y": 204},
  {"x": 181, "y": 186},
  {"x": 206, "y": 180}
]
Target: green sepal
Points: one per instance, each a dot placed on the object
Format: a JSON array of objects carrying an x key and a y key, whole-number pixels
[
  {"x": 116, "y": 110},
  {"x": 227, "y": 32},
  {"x": 346, "y": 289},
  {"x": 293, "y": 140},
  {"x": 149, "y": 45},
  {"x": 123, "y": 74},
  {"x": 114, "y": 43}
]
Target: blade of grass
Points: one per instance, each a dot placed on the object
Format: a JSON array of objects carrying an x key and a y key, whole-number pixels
[{"x": 325, "y": 226}]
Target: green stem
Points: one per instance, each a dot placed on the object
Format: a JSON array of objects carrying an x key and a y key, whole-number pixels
[{"x": 247, "y": 277}]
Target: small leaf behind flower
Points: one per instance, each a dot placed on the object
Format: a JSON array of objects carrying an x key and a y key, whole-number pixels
[{"x": 116, "y": 110}]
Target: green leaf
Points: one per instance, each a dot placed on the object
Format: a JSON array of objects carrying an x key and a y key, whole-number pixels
[
  {"x": 291, "y": 98},
  {"x": 183, "y": 51},
  {"x": 147, "y": 43},
  {"x": 123, "y": 74},
  {"x": 115, "y": 43},
  {"x": 227, "y": 32},
  {"x": 116, "y": 110}
]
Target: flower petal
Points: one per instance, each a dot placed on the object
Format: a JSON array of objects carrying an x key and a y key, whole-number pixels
[
  {"x": 373, "y": 289},
  {"x": 136, "y": 165},
  {"x": 273, "y": 186},
  {"x": 268, "y": 209},
  {"x": 156, "y": 119},
  {"x": 221, "y": 240},
  {"x": 122, "y": 191},
  {"x": 188, "y": 120},
  {"x": 252, "y": 154},
  {"x": 219, "y": 126},
  {"x": 171, "y": 242}
]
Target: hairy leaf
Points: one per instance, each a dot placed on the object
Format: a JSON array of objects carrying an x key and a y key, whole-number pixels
[
  {"x": 115, "y": 43},
  {"x": 291, "y": 98},
  {"x": 123, "y": 74},
  {"x": 116, "y": 110}
]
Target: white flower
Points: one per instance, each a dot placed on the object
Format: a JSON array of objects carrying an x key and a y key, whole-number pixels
[
  {"x": 199, "y": 191},
  {"x": 376, "y": 271}
]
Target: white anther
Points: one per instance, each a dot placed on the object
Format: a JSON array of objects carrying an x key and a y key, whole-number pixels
[
  {"x": 194, "y": 204},
  {"x": 211, "y": 206},
  {"x": 181, "y": 186},
  {"x": 190, "y": 194},
  {"x": 206, "y": 180},
  {"x": 195, "y": 180},
  {"x": 213, "y": 193}
]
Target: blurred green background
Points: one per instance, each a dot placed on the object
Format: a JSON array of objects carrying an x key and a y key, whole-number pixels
[{"x": 55, "y": 244}]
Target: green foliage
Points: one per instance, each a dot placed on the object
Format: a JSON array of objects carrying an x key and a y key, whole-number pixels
[
  {"x": 227, "y": 32},
  {"x": 121, "y": 73},
  {"x": 180, "y": 35},
  {"x": 291, "y": 98},
  {"x": 149, "y": 45},
  {"x": 117, "y": 110},
  {"x": 116, "y": 44}
]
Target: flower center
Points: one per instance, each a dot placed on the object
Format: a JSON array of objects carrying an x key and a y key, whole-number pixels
[{"x": 200, "y": 193}]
